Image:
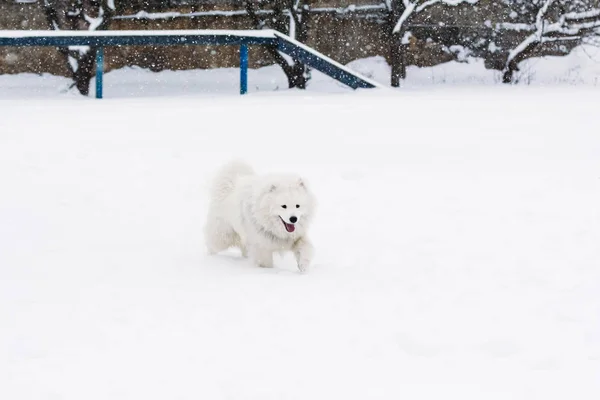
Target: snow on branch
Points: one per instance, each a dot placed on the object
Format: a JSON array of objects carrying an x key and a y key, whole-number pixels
[
  {"x": 95, "y": 22},
  {"x": 582, "y": 15}
]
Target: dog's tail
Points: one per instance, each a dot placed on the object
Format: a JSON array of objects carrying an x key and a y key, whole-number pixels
[{"x": 226, "y": 177}]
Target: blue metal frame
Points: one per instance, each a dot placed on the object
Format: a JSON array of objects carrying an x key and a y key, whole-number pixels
[
  {"x": 99, "y": 71},
  {"x": 243, "y": 69},
  {"x": 313, "y": 60},
  {"x": 243, "y": 39}
]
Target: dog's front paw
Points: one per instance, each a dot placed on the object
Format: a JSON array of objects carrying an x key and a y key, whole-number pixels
[
  {"x": 261, "y": 257},
  {"x": 304, "y": 254},
  {"x": 303, "y": 267}
]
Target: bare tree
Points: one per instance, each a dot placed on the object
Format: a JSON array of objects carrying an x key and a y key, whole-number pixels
[
  {"x": 286, "y": 16},
  {"x": 79, "y": 15},
  {"x": 401, "y": 15},
  {"x": 556, "y": 22}
]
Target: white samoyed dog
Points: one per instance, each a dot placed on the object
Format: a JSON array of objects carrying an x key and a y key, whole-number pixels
[{"x": 260, "y": 215}]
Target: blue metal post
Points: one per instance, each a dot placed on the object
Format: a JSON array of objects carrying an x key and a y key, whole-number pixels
[
  {"x": 99, "y": 71},
  {"x": 243, "y": 69}
]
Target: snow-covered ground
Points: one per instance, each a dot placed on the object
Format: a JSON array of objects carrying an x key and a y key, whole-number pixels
[{"x": 457, "y": 242}]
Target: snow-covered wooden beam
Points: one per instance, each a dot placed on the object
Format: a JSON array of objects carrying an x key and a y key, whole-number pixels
[
  {"x": 136, "y": 38},
  {"x": 232, "y": 13}
]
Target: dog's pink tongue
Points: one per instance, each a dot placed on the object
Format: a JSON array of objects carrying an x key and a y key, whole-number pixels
[{"x": 289, "y": 227}]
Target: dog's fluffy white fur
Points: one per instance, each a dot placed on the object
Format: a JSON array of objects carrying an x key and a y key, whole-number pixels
[{"x": 260, "y": 215}]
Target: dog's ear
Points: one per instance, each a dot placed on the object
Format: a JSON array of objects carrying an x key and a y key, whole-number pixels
[
  {"x": 272, "y": 188},
  {"x": 301, "y": 183}
]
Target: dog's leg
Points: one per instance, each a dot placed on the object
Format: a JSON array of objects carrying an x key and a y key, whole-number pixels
[
  {"x": 218, "y": 236},
  {"x": 243, "y": 245},
  {"x": 304, "y": 251},
  {"x": 240, "y": 243},
  {"x": 262, "y": 257}
]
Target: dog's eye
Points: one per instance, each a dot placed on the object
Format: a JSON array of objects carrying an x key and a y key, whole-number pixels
[
  {"x": 297, "y": 205},
  {"x": 284, "y": 206}
]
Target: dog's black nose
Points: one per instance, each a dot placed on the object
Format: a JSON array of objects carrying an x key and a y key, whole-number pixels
[{"x": 293, "y": 220}]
